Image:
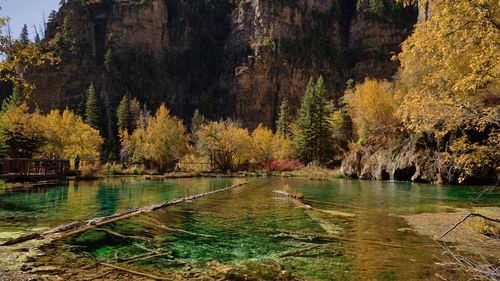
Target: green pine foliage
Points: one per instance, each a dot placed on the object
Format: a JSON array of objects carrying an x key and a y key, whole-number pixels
[
  {"x": 108, "y": 60},
  {"x": 13, "y": 101},
  {"x": 377, "y": 7},
  {"x": 134, "y": 113},
  {"x": 197, "y": 121},
  {"x": 24, "y": 37},
  {"x": 284, "y": 123},
  {"x": 92, "y": 108},
  {"x": 313, "y": 139},
  {"x": 123, "y": 113}
]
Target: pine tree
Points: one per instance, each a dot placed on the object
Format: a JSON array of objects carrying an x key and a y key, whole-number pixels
[
  {"x": 197, "y": 121},
  {"x": 359, "y": 7},
  {"x": 24, "y": 37},
  {"x": 92, "y": 108},
  {"x": 283, "y": 125},
  {"x": 377, "y": 7},
  {"x": 313, "y": 140},
  {"x": 66, "y": 34},
  {"x": 62, "y": 2},
  {"x": 52, "y": 15},
  {"x": 12, "y": 101},
  {"x": 123, "y": 114},
  {"x": 135, "y": 113},
  {"x": 304, "y": 135},
  {"x": 37, "y": 38},
  {"x": 108, "y": 60},
  {"x": 322, "y": 125}
]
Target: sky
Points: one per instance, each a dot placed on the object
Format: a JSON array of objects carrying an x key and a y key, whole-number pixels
[{"x": 29, "y": 12}]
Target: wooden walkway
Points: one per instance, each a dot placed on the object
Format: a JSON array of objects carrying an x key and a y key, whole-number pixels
[{"x": 34, "y": 169}]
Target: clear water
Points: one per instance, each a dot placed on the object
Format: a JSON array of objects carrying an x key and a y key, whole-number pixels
[{"x": 232, "y": 227}]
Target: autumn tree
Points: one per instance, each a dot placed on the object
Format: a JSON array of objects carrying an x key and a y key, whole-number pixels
[
  {"x": 228, "y": 146},
  {"x": 20, "y": 58},
  {"x": 284, "y": 123},
  {"x": 66, "y": 134},
  {"x": 161, "y": 142},
  {"x": 123, "y": 113},
  {"x": 313, "y": 138},
  {"x": 449, "y": 82},
  {"x": 268, "y": 146},
  {"x": 372, "y": 106},
  {"x": 92, "y": 112},
  {"x": 20, "y": 132}
]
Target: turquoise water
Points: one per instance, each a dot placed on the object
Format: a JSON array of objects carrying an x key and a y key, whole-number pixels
[{"x": 234, "y": 227}]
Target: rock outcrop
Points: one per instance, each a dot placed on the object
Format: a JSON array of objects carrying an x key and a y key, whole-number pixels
[{"x": 235, "y": 59}]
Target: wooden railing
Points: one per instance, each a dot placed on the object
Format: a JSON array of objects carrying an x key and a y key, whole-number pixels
[{"x": 34, "y": 168}]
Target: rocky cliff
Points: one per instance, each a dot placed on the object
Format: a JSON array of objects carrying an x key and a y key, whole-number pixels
[{"x": 235, "y": 59}]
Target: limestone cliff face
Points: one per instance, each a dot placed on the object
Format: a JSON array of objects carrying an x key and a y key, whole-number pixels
[{"x": 235, "y": 59}]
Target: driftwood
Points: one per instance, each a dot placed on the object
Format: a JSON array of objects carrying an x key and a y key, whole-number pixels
[
  {"x": 329, "y": 237},
  {"x": 466, "y": 217},
  {"x": 135, "y": 272},
  {"x": 294, "y": 195},
  {"x": 80, "y": 226}
]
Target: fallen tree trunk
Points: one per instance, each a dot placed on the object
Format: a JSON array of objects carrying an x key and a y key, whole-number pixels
[
  {"x": 293, "y": 195},
  {"x": 466, "y": 217},
  {"x": 80, "y": 226},
  {"x": 329, "y": 237}
]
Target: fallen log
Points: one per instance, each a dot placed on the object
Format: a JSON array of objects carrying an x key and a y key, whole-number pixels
[
  {"x": 80, "y": 226},
  {"x": 135, "y": 272},
  {"x": 330, "y": 237},
  {"x": 300, "y": 196},
  {"x": 159, "y": 225}
]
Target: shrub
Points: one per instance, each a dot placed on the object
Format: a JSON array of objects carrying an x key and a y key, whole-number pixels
[{"x": 281, "y": 166}]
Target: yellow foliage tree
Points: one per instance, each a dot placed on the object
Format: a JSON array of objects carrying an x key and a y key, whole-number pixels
[
  {"x": 67, "y": 135},
  {"x": 228, "y": 146},
  {"x": 19, "y": 57},
  {"x": 372, "y": 106},
  {"x": 449, "y": 81},
  {"x": 161, "y": 142},
  {"x": 268, "y": 146},
  {"x": 21, "y": 133}
]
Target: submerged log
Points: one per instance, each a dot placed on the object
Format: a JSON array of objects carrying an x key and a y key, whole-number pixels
[
  {"x": 135, "y": 272},
  {"x": 298, "y": 195},
  {"x": 298, "y": 251},
  {"x": 80, "y": 226},
  {"x": 329, "y": 237}
]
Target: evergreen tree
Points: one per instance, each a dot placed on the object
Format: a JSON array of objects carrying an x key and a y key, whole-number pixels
[
  {"x": 283, "y": 125},
  {"x": 62, "y": 2},
  {"x": 359, "y": 7},
  {"x": 12, "y": 101},
  {"x": 313, "y": 140},
  {"x": 197, "y": 121},
  {"x": 92, "y": 108},
  {"x": 123, "y": 114},
  {"x": 377, "y": 7},
  {"x": 24, "y": 37},
  {"x": 52, "y": 15},
  {"x": 304, "y": 135},
  {"x": 37, "y": 38},
  {"x": 66, "y": 34},
  {"x": 135, "y": 114},
  {"x": 108, "y": 60}
]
